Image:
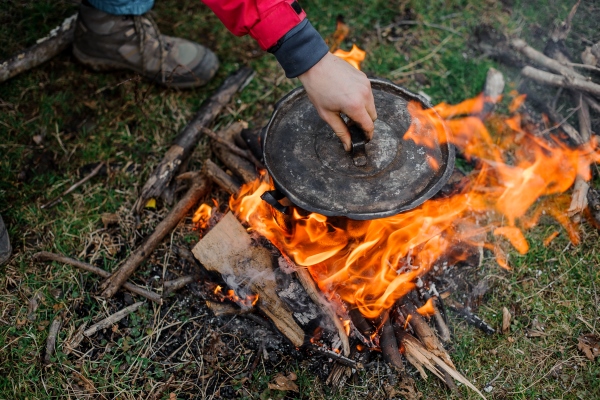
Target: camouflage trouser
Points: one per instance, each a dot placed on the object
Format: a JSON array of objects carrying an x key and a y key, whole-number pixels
[{"x": 123, "y": 7}]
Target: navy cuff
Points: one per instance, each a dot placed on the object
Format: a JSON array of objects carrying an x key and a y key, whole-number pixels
[{"x": 300, "y": 49}]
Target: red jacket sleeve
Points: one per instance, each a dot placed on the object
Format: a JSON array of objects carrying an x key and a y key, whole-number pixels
[{"x": 266, "y": 21}]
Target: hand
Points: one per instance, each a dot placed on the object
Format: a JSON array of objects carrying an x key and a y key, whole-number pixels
[{"x": 334, "y": 86}]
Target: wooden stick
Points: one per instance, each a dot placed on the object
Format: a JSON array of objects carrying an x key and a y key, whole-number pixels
[
  {"x": 176, "y": 284},
  {"x": 187, "y": 140},
  {"x": 337, "y": 357},
  {"x": 46, "y": 256},
  {"x": 51, "y": 341},
  {"x": 199, "y": 187},
  {"x": 592, "y": 103},
  {"x": 46, "y": 48},
  {"x": 594, "y": 207},
  {"x": 545, "y": 61},
  {"x": 389, "y": 344},
  {"x": 468, "y": 316},
  {"x": 111, "y": 319},
  {"x": 561, "y": 81},
  {"x": 238, "y": 165},
  {"x": 220, "y": 177},
  {"x": 58, "y": 199},
  {"x": 247, "y": 154}
]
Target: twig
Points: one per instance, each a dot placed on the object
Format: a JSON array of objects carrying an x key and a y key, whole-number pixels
[
  {"x": 436, "y": 26},
  {"x": 562, "y": 81},
  {"x": 337, "y": 357},
  {"x": 545, "y": 61},
  {"x": 584, "y": 66},
  {"x": 468, "y": 316},
  {"x": 592, "y": 103},
  {"x": 176, "y": 284},
  {"x": 46, "y": 256},
  {"x": 247, "y": 154},
  {"x": 427, "y": 57},
  {"x": 158, "y": 394},
  {"x": 73, "y": 187},
  {"x": 111, "y": 319},
  {"x": 51, "y": 341},
  {"x": 220, "y": 177},
  {"x": 197, "y": 190},
  {"x": 389, "y": 344}
]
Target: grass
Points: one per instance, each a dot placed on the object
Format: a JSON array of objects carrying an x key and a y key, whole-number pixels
[{"x": 83, "y": 117}]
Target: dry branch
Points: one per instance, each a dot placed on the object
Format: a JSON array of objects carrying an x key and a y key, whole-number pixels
[
  {"x": 337, "y": 357},
  {"x": 220, "y": 177},
  {"x": 46, "y": 256},
  {"x": 238, "y": 165},
  {"x": 198, "y": 189},
  {"x": 46, "y": 48},
  {"x": 389, "y": 344},
  {"x": 541, "y": 59},
  {"x": 51, "y": 341},
  {"x": 548, "y": 78},
  {"x": 58, "y": 199},
  {"x": 247, "y": 154},
  {"x": 186, "y": 141},
  {"x": 469, "y": 317},
  {"x": 176, "y": 284},
  {"x": 112, "y": 319}
]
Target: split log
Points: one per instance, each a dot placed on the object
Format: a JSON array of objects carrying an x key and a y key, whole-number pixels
[
  {"x": 492, "y": 90},
  {"x": 46, "y": 256},
  {"x": 228, "y": 249},
  {"x": 112, "y": 319},
  {"x": 238, "y": 165},
  {"x": 52, "y": 336},
  {"x": 45, "y": 49},
  {"x": 561, "y": 81},
  {"x": 220, "y": 177},
  {"x": 198, "y": 189},
  {"x": 187, "y": 140}
]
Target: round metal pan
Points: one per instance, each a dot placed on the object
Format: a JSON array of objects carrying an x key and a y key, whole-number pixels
[{"x": 310, "y": 167}]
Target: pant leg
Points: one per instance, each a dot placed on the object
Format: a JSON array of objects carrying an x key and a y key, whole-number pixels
[{"x": 123, "y": 7}]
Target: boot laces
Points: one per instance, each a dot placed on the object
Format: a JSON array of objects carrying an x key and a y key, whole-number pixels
[{"x": 142, "y": 29}]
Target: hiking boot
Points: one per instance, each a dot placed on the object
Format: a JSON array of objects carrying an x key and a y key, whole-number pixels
[
  {"x": 108, "y": 42},
  {"x": 5, "y": 249}
]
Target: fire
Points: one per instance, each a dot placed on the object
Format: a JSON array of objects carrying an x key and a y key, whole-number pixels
[
  {"x": 428, "y": 308},
  {"x": 201, "y": 216},
  {"x": 355, "y": 56},
  {"x": 371, "y": 264}
]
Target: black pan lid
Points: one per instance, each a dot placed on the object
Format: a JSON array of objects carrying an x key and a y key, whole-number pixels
[{"x": 308, "y": 164}]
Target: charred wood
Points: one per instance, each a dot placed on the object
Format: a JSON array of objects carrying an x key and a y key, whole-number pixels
[
  {"x": 593, "y": 210},
  {"x": 469, "y": 317},
  {"x": 389, "y": 345},
  {"x": 198, "y": 188},
  {"x": 186, "y": 141}
]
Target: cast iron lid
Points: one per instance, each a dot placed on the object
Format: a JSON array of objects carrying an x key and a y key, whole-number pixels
[{"x": 308, "y": 164}]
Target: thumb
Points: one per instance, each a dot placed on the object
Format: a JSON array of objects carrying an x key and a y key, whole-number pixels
[{"x": 339, "y": 127}]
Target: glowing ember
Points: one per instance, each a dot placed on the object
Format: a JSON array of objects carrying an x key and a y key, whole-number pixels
[
  {"x": 371, "y": 264},
  {"x": 355, "y": 56},
  {"x": 428, "y": 308}
]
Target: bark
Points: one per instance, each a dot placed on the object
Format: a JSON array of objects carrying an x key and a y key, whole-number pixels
[
  {"x": 187, "y": 140},
  {"x": 46, "y": 48},
  {"x": 46, "y": 256},
  {"x": 389, "y": 345},
  {"x": 220, "y": 177},
  {"x": 241, "y": 167},
  {"x": 176, "y": 284},
  {"x": 198, "y": 189},
  {"x": 561, "y": 81}
]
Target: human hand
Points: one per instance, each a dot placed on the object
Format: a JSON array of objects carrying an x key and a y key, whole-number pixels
[{"x": 334, "y": 86}]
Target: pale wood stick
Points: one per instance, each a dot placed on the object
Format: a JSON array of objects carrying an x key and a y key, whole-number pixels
[
  {"x": 561, "y": 81},
  {"x": 51, "y": 341},
  {"x": 58, "y": 199},
  {"x": 592, "y": 103},
  {"x": 545, "y": 61},
  {"x": 199, "y": 187},
  {"x": 47, "y": 256},
  {"x": 46, "y": 48},
  {"x": 111, "y": 319}
]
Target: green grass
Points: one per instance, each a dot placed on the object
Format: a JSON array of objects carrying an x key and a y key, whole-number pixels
[{"x": 85, "y": 117}]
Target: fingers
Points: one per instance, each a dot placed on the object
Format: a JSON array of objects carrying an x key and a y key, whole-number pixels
[
  {"x": 339, "y": 127},
  {"x": 363, "y": 118}
]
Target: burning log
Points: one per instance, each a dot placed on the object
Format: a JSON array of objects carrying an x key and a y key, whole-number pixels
[
  {"x": 389, "y": 345},
  {"x": 186, "y": 141},
  {"x": 198, "y": 188},
  {"x": 238, "y": 165},
  {"x": 45, "y": 49},
  {"x": 46, "y": 256}
]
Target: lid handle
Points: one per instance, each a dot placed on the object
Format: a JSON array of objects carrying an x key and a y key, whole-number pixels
[{"x": 359, "y": 139}]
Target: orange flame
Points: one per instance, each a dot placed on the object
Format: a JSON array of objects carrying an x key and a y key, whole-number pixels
[
  {"x": 371, "y": 264},
  {"x": 428, "y": 309},
  {"x": 201, "y": 216},
  {"x": 355, "y": 56}
]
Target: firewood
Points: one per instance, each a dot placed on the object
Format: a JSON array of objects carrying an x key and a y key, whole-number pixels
[
  {"x": 238, "y": 165},
  {"x": 112, "y": 319},
  {"x": 492, "y": 90},
  {"x": 186, "y": 141},
  {"x": 176, "y": 284},
  {"x": 593, "y": 210},
  {"x": 52, "y": 336},
  {"x": 389, "y": 344},
  {"x": 228, "y": 249},
  {"x": 337, "y": 357},
  {"x": 220, "y": 177},
  {"x": 198, "y": 189},
  {"x": 592, "y": 103},
  {"x": 231, "y": 146},
  {"x": 440, "y": 323},
  {"x": 45, "y": 49},
  {"x": 46, "y": 256},
  {"x": 561, "y": 81}
]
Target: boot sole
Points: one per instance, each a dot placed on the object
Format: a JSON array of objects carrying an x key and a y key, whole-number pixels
[{"x": 103, "y": 65}]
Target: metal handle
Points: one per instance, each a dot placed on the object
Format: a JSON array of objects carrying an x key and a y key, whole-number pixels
[
  {"x": 359, "y": 139},
  {"x": 272, "y": 197}
]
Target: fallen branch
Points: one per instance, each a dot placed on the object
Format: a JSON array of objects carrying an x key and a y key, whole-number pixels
[
  {"x": 46, "y": 256},
  {"x": 46, "y": 48},
  {"x": 112, "y": 319},
  {"x": 220, "y": 177},
  {"x": 199, "y": 187},
  {"x": 541, "y": 59},
  {"x": 176, "y": 284},
  {"x": 561, "y": 81},
  {"x": 51, "y": 341},
  {"x": 58, "y": 199},
  {"x": 592, "y": 103},
  {"x": 186, "y": 141}
]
